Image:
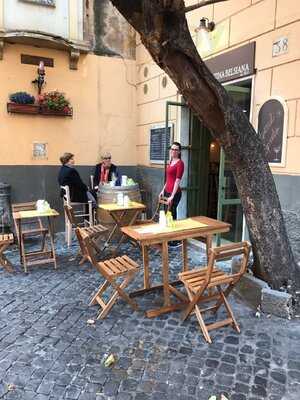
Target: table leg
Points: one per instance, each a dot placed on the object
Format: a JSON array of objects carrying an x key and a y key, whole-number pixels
[
  {"x": 185, "y": 255},
  {"x": 51, "y": 235},
  {"x": 120, "y": 224},
  {"x": 117, "y": 224},
  {"x": 145, "y": 254},
  {"x": 165, "y": 273},
  {"x": 131, "y": 222}
]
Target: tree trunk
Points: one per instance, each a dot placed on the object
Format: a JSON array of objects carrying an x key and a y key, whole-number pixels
[{"x": 164, "y": 32}]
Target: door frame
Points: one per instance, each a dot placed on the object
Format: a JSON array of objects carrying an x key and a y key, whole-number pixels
[{"x": 221, "y": 197}]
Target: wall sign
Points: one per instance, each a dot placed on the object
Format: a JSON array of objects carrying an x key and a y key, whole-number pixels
[
  {"x": 233, "y": 64},
  {"x": 280, "y": 46},
  {"x": 50, "y": 3},
  {"x": 158, "y": 143},
  {"x": 39, "y": 151},
  {"x": 272, "y": 118}
]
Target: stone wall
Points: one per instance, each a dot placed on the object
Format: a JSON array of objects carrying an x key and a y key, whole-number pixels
[{"x": 109, "y": 32}]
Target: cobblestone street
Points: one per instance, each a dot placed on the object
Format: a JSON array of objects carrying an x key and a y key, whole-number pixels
[{"x": 48, "y": 351}]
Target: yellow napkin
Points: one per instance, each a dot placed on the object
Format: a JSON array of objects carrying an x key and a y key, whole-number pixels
[{"x": 180, "y": 225}]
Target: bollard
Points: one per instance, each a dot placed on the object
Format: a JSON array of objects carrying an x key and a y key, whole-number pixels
[{"x": 5, "y": 208}]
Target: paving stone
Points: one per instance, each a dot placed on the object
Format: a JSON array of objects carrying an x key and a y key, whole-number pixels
[
  {"x": 259, "y": 391},
  {"x": 48, "y": 350},
  {"x": 279, "y": 377},
  {"x": 294, "y": 365},
  {"x": 227, "y": 368}
]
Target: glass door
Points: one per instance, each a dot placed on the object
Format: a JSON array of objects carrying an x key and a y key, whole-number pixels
[{"x": 229, "y": 205}]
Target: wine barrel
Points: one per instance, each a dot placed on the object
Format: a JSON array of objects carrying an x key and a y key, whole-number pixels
[{"x": 108, "y": 194}]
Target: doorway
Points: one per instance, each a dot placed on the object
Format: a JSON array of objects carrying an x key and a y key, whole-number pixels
[{"x": 211, "y": 188}]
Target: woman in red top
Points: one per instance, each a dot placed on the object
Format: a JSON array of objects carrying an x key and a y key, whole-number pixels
[{"x": 175, "y": 171}]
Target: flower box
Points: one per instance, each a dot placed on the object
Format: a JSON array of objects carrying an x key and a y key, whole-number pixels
[
  {"x": 23, "y": 108},
  {"x": 37, "y": 109},
  {"x": 63, "y": 113}
]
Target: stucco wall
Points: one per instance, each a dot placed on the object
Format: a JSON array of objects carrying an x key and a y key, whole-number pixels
[
  {"x": 237, "y": 23},
  {"x": 103, "y": 97}
]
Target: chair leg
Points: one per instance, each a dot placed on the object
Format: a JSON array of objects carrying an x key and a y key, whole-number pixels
[
  {"x": 202, "y": 324},
  {"x": 69, "y": 234},
  {"x": 102, "y": 314},
  {"x": 118, "y": 293},
  {"x": 192, "y": 304},
  {"x": 91, "y": 218},
  {"x": 229, "y": 310},
  {"x": 98, "y": 293}
]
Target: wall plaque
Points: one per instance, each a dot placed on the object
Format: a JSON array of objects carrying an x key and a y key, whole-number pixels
[
  {"x": 39, "y": 151},
  {"x": 272, "y": 129},
  {"x": 158, "y": 142}
]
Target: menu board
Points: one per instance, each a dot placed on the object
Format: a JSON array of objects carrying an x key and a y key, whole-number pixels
[
  {"x": 158, "y": 142},
  {"x": 271, "y": 129}
]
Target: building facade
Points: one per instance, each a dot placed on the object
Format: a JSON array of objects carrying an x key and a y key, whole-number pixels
[
  {"x": 100, "y": 88},
  {"x": 253, "y": 52},
  {"x": 122, "y": 101}
]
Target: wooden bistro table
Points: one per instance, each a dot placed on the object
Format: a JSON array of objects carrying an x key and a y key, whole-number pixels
[
  {"x": 151, "y": 234},
  {"x": 120, "y": 215},
  {"x": 43, "y": 256}
]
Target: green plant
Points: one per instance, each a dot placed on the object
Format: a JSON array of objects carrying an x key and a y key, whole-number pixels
[
  {"x": 21, "y": 98},
  {"x": 54, "y": 101}
]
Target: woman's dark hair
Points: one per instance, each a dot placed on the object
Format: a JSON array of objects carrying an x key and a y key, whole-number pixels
[
  {"x": 65, "y": 158},
  {"x": 178, "y": 145}
]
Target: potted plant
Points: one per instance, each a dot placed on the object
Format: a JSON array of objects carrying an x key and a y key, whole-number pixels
[
  {"x": 55, "y": 103},
  {"x": 22, "y": 102}
]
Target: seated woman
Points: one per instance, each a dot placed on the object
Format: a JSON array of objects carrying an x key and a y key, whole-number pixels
[
  {"x": 68, "y": 176},
  {"x": 105, "y": 171}
]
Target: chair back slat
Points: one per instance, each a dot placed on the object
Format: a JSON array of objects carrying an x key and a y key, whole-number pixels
[
  {"x": 227, "y": 252},
  {"x": 162, "y": 201},
  {"x": 88, "y": 247},
  {"x": 70, "y": 215}
]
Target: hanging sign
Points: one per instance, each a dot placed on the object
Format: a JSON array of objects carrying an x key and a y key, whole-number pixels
[{"x": 234, "y": 64}]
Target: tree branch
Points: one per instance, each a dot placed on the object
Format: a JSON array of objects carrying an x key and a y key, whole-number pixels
[{"x": 202, "y": 4}]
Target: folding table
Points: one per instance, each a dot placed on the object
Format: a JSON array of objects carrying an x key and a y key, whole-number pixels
[
  {"x": 150, "y": 234},
  {"x": 120, "y": 215}
]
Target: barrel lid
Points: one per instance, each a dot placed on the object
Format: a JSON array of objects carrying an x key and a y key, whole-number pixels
[{"x": 108, "y": 188}]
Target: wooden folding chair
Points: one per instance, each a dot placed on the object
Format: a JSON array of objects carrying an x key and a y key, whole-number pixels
[
  {"x": 30, "y": 227},
  {"x": 5, "y": 241},
  {"x": 94, "y": 232},
  {"x": 162, "y": 202},
  {"x": 211, "y": 284},
  {"x": 80, "y": 212},
  {"x": 120, "y": 268}
]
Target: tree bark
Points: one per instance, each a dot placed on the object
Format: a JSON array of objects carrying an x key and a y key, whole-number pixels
[{"x": 164, "y": 32}]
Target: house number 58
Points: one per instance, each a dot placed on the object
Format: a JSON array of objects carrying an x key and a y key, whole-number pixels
[{"x": 280, "y": 46}]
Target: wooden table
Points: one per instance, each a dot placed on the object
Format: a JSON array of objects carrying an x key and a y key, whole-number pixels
[
  {"x": 120, "y": 215},
  {"x": 36, "y": 257},
  {"x": 151, "y": 234}
]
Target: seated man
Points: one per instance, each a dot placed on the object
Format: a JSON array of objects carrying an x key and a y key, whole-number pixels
[
  {"x": 68, "y": 176},
  {"x": 105, "y": 171}
]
